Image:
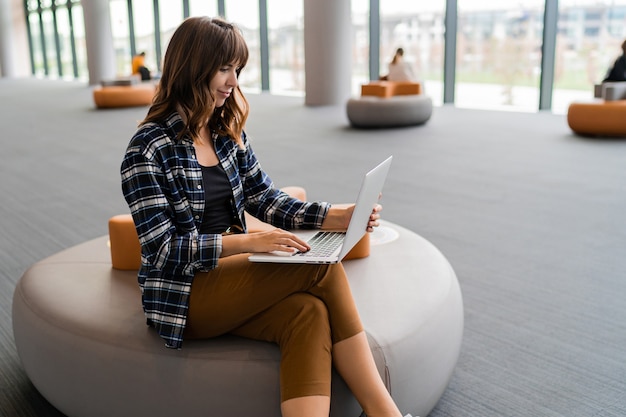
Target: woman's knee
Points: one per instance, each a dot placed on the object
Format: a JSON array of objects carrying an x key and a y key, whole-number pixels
[
  {"x": 308, "y": 317},
  {"x": 308, "y": 309}
]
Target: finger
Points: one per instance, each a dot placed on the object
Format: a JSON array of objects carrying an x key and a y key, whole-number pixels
[
  {"x": 298, "y": 245},
  {"x": 290, "y": 241}
]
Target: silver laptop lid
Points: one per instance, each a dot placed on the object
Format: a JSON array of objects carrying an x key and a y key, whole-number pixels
[{"x": 367, "y": 199}]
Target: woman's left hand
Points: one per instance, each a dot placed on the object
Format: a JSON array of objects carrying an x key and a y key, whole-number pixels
[
  {"x": 374, "y": 217},
  {"x": 339, "y": 215}
]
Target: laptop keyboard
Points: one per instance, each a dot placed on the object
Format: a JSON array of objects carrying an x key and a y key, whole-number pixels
[{"x": 324, "y": 243}]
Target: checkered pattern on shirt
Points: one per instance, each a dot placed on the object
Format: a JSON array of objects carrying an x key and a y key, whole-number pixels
[{"x": 162, "y": 184}]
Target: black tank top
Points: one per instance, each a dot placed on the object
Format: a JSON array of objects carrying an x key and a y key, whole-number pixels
[{"x": 218, "y": 211}]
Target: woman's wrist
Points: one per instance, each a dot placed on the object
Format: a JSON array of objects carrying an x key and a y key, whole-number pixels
[
  {"x": 338, "y": 217},
  {"x": 234, "y": 244}
]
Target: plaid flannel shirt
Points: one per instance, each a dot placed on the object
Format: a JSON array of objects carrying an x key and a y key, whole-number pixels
[{"x": 162, "y": 184}]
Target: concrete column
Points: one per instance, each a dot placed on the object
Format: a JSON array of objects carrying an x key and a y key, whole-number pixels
[
  {"x": 13, "y": 40},
  {"x": 99, "y": 40},
  {"x": 327, "y": 52}
]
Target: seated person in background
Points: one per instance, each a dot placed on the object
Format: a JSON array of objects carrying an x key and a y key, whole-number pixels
[
  {"x": 140, "y": 68},
  {"x": 399, "y": 70},
  {"x": 618, "y": 71}
]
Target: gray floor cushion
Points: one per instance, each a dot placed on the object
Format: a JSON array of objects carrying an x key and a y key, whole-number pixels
[
  {"x": 81, "y": 336},
  {"x": 396, "y": 111}
]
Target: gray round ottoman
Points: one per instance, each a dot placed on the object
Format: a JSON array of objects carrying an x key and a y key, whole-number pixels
[
  {"x": 395, "y": 111},
  {"x": 81, "y": 336}
]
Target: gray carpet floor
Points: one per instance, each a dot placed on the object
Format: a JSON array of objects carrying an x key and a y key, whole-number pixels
[{"x": 530, "y": 216}]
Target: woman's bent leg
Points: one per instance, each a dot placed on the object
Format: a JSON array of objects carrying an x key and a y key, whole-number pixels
[
  {"x": 312, "y": 406},
  {"x": 237, "y": 290},
  {"x": 299, "y": 325},
  {"x": 278, "y": 303},
  {"x": 270, "y": 302},
  {"x": 353, "y": 360}
]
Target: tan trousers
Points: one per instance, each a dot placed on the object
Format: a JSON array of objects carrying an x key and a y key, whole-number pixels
[{"x": 305, "y": 309}]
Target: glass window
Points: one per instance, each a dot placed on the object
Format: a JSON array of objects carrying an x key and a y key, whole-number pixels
[
  {"x": 65, "y": 41},
  {"x": 245, "y": 14},
  {"x": 121, "y": 36},
  {"x": 589, "y": 40},
  {"x": 143, "y": 15},
  {"x": 417, "y": 28},
  {"x": 79, "y": 40},
  {"x": 31, "y": 5},
  {"x": 286, "y": 46},
  {"x": 360, "y": 45},
  {"x": 37, "y": 48},
  {"x": 203, "y": 8},
  {"x": 499, "y": 54},
  {"x": 50, "y": 45},
  {"x": 171, "y": 16}
]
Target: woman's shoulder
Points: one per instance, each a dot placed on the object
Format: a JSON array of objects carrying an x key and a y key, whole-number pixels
[
  {"x": 149, "y": 136},
  {"x": 153, "y": 135}
]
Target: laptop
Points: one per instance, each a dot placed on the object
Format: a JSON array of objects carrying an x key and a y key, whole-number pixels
[{"x": 343, "y": 242}]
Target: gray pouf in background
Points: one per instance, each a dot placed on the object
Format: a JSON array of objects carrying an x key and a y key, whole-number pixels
[{"x": 396, "y": 111}]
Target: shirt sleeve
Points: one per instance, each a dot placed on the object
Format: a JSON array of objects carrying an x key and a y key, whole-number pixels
[{"x": 271, "y": 205}]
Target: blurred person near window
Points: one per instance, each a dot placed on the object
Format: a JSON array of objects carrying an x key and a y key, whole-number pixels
[
  {"x": 618, "y": 71},
  {"x": 399, "y": 69},
  {"x": 139, "y": 66}
]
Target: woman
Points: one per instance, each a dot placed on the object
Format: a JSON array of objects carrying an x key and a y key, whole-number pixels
[
  {"x": 188, "y": 174},
  {"x": 617, "y": 72},
  {"x": 139, "y": 67},
  {"x": 400, "y": 70}
]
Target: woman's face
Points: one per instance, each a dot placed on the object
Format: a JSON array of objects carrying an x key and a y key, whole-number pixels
[{"x": 223, "y": 83}]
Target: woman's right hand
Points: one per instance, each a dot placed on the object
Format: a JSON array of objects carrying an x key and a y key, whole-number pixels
[{"x": 267, "y": 241}]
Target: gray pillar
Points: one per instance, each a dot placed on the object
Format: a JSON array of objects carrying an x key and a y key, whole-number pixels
[
  {"x": 13, "y": 40},
  {"x": 99, "y": 40},
  {"x": 548, "y": 53},
  {"x": 449, "y": 65},
  {"x": 327, "y": 52},
  {"x": 374, "y": 39}
]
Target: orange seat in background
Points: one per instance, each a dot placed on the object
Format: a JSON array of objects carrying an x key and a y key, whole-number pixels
[
  {"x": 598, "y": 118},
  {"x": 386, "y": 89},
  {"x": 124, "y": 95}
]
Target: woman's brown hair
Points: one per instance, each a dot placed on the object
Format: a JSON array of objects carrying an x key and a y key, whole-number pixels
[
  {"x": 397, "y": 55},
  {"x": 199, "y": 47}
]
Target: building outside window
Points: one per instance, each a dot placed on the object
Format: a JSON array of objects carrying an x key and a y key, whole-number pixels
[
  {"x": 245, "y": 14},
  {"x": 143, "y": 22},
  {"x": 498, "y": 56},
  {"x": 285, "y": 19},
  {"x": 203, "y": 7},
  {"x": 360, "y": 44},
  {"x": 37, "y": 47},
  {"x": 80, "y": 45},
  {"x": 417, "y": 28},
  {"x": 589, "y": 39},
  {"x": 120, "y": 29},
  {"x": 170, "y": 16}
]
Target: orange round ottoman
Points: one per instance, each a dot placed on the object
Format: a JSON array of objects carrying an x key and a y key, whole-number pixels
[
  {"x": 598, "y": 118},
  {"x": 124, "y": 95}
]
